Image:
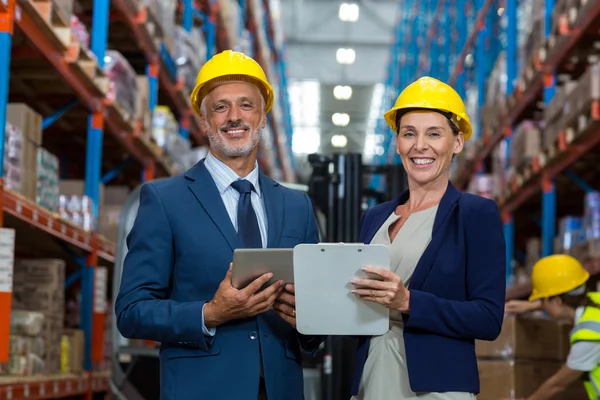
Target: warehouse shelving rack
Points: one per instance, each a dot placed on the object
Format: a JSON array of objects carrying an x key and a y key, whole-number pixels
[
  {"x": 29, "y": 30},
  {"x": 475, "y": 30},
  {"x": 524, "y": 95}
]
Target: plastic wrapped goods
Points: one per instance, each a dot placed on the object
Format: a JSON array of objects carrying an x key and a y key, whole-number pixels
[
  {"x": 122, "y": 88},
  {"x": 78, "y": 210},
  {"x": 592, "y": 215},
  {"x": 189, "y": 55},
  {"x": 13, "y": 151},
  {"x": 47, "y": 179}
]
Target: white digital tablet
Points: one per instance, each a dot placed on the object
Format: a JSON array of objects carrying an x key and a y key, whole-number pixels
[
  {"x": 249, "y": 264},
  {"x": 325, "y": 304}
]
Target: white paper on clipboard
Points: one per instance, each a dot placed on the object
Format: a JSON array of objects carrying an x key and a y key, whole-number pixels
[{"x": 325, "y": 304}]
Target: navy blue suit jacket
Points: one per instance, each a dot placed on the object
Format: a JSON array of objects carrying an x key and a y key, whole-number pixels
[
  {"x": 457, "y": 292},
  {"x": 179, "y": 251}
]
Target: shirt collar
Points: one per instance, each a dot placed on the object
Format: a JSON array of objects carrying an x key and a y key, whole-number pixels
[{"x": 225, "y": 176}]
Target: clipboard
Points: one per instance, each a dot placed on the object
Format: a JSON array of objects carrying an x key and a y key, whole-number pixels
[{"x": 325, "y": 304}]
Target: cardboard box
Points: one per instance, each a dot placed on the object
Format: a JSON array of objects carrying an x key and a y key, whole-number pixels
[
  {"x": 72, "y": 351},
  {"x": 528, "y": 338},
  {"x": 506, "y": 379},
  {"x": 29, "y": 123},
  {"x": 39, "y": 286}
]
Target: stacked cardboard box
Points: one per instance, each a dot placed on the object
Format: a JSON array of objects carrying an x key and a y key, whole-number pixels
[
  {"x": 527, "y": 352},
  {"x": 27, "y": 345},
  {"x": 38, "y": 285}
]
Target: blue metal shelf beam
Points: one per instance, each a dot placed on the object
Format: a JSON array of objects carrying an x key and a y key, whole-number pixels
[
  {"x": 549, "y": 191},
  {"x": 5, "y": 45},
  {"x": 479, "y": 22},
  {"x": 93, "y": 170},
  {"x": 52, "y": 118},
  {"x": 511, "y": 76}
]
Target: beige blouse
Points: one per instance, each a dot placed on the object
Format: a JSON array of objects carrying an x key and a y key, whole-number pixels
[{"x": 385, "y": 375}]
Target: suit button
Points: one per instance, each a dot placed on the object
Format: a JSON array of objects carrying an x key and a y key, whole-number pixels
[{"x": 252, "y": 335}]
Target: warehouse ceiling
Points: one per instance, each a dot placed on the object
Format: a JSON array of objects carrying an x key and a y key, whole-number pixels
[{"x": 313, "y": 35}]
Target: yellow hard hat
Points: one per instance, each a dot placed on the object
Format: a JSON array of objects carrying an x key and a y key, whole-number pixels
[
  {"x": 430, "y": 93},
  {"x": 555, "y": 275},
  {"x": 230, "y": 66}
]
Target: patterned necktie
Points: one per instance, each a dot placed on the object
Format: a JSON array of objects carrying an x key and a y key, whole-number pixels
[{"x": 248, "y": 230}]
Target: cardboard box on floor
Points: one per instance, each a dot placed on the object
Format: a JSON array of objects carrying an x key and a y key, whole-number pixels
[
  {"x": 506, "y": 379},
  {"x": 528, "y": 338}
]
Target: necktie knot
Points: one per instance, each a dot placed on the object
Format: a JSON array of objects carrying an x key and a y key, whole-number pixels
[{"x": 243, "y": 186}]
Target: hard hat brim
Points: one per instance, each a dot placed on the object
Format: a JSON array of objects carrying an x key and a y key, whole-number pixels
[
  {"x": 390, "y": 118},
  {"x": 575, "y": 284},
  {"x": 201, "y": 91}
]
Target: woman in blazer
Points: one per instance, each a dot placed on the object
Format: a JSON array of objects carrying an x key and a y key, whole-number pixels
[{"x": 446, "y": 287}]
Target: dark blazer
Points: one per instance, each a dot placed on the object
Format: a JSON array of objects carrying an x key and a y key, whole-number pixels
[
  {"x": 179, "y": 251},
  {"x": 457, "y": 292}
]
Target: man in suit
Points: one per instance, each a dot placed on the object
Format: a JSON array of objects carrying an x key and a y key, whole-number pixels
[{"x": 218, "y": 342}]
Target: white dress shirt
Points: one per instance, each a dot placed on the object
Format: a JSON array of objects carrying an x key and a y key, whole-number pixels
[{"x": 224, "y": 177}]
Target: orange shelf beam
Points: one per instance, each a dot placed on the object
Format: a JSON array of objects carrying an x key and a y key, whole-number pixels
[
  {"x": 590, "y": 138},
  {"x": 51, "y": 387},
  {"x": 524, "y": 101},
  {"x": 48, "y": 222}
]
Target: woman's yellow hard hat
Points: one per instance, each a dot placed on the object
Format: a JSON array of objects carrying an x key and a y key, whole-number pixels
[
  {"x": 430, "y": 93},
  {"x": 231, "y": 66},
  {"x": 555, "y": 275}
]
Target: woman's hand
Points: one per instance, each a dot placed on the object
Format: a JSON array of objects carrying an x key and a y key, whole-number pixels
[{"x": 388, "y": 291}]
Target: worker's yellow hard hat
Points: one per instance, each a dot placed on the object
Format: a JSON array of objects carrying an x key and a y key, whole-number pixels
[
  {"x": 430, "y": 93},
  {"x": 555, "y": 275},
  {"x": 230, "y": 66}
]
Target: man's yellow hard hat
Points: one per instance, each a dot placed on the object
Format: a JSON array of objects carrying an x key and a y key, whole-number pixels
[
  {"x": 430, "y": 93},
  {"x": 555, "y": 275},
  {"x": 230, "y": 66}
]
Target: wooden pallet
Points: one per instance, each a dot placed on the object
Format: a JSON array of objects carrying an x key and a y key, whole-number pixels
[
  {"x": 85, "y": 64},
  {"x": 51, "y": 22}
]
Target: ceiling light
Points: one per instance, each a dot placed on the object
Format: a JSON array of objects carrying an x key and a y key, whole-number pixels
[
  {"x": 345, "y": 56},
  {"x": 348, "y": 12},
  {"x": 342, "y": 92},
  {"x": 339, "y": 141},
  {"x": 340, "y": 119}
]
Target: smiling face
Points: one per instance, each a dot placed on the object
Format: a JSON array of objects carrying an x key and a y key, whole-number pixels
[
  {"x": 233, "y": 116},
  {"x": 426, "y": 144}
]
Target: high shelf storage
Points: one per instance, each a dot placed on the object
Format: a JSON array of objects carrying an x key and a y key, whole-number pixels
[
  {"x": 528, "y": 71},
  {"x": 95, "y": 99}
]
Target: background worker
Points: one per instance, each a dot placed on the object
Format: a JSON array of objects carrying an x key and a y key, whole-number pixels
[
  {"x": 446, "y": 287},
  {"x": 218, "y": 342},
  {"x": 558, "y": 288}
]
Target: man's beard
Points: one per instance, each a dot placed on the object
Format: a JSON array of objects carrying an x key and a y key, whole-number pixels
[{"x": 231, "y": 148}]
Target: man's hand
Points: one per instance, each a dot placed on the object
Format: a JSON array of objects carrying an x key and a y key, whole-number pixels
[
  {"x": 521, "y": 306},
  {"x": 230, "y": 303},
  {"x": 285, "y": 305}
]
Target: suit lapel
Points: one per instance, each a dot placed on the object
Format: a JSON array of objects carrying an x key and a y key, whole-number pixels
[
  {"x": 273, "y": 202},
  {"x": 445, "y": 209},
  {"x": 204, "y": 189}
]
